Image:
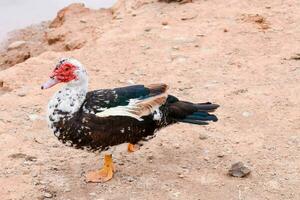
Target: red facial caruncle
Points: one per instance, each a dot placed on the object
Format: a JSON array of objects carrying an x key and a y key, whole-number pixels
[{"x": 63, "y": 73}]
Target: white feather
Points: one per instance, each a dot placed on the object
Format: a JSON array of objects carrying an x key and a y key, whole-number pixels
[{"x": 135, "y": 108}]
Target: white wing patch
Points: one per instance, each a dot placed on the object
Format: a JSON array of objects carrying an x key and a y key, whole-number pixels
[{"x": 136, "y": 108}]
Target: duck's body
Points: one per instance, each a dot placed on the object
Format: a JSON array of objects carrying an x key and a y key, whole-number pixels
[
  {"x": 100, "y": 119},
  {"x": 82, "y": 128}
]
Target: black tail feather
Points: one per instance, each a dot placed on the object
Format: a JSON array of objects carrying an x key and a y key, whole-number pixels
[
  {"x": 208, "y": 117},
  {"x": 188, "y": 112},
  {"x": 208, "y": 107}
]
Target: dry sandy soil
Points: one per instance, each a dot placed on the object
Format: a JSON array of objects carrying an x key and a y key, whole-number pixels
[{"x": 240, "y": 54}]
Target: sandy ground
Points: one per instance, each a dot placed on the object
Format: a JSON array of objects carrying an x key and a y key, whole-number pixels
[{"x": 235, "y": 53}]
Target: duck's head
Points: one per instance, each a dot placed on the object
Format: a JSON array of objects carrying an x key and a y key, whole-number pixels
[{"x": 67, "y": 70}]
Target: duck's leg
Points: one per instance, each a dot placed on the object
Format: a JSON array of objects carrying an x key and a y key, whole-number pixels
[
  {"x": 105, "y": 173},
  {"x": 132, "y": 147}
]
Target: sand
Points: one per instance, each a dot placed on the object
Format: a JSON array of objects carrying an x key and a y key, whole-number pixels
[{"x": 234, "y": 53}]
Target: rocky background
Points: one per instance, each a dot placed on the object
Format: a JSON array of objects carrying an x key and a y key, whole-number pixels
[{"x": 243, "y": 55}]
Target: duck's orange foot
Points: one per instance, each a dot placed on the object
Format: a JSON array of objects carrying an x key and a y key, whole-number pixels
[
  {"x": 103, "y": 175},
  {"x": 132, "y": 148}
]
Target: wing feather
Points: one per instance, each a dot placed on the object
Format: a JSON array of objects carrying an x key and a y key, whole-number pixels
[{"x": 136, "y": 108}]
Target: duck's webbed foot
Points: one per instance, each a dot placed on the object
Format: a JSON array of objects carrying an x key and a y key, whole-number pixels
[{"x": 105, "y": 173}]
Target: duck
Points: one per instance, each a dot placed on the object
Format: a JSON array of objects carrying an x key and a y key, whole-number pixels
[{"x": 99, "y": 120}]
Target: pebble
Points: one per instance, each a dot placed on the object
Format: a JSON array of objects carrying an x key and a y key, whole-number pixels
[
  {"x": 147, "y": 29},
  {"x": 31, "y": 158},
  {"x": 246, "y": 114},
  {"x": 48, "y": 195},
  {"x": 239, "y": 170},
  {"x": 179, "y": 58},
  {"x": 144, "y": 46},
  {"x": 150, "y": 157},
  {"x": 130, "y": 179},
  {"x": 206, "y": 158},
  {"x": 220, "y": 155},
  {"x": 175, "y": 48},
  {"x": 165, "y": 23},
  {"x": 21, "y": 94},
  {"x": 203, "y": 136},
  {"x": 180, "y": 175}
]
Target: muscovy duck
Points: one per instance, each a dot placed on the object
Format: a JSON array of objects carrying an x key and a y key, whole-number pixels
[{"x": 100, "y": 119}]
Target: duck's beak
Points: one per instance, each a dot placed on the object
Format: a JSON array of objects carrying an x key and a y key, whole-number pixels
[{"x": 50, "y": 83}]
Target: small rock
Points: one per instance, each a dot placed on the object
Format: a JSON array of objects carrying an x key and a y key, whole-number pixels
[
  {"x": 189, "y": 16},
  {"x": 239, "y": 170},
  {"x": 175, "y": 48},
  {"x": 246, "y": 114},
  {"x": 221, "y": 155},
  {"x": 164, "y": 23},
  {"x": 48, "y": 195},
  {"x": 147, "y": 29},
  {"x": 295, "y": 57},
  {"x": 31, "y": 158},
  {"x": 130, "y": 179},
  {"x": 145, "y": 46},
  {"x": 92, "y": 194},
  {"x": 21, "y": 94},
  {"x": 180, "y": 175},
  {"x": 176, "y": 194},
  {"x": 150, "y": 157},
  {"x": 225, "y": 30},
  {"x": 16, "y": 45},
  {"x": 203, "y": 136},
  {"x": 206, "y": 158}
]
